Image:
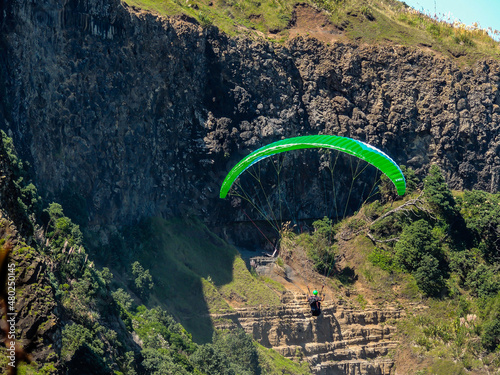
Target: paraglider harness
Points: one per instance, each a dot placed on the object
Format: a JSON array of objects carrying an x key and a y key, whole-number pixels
[{"x": 315, "y": 302}]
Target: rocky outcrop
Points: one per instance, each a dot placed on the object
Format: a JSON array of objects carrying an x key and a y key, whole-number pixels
[
  {"x": 130, "y": 114},
  {"x": 38, "y": 313},
  {"x": 340, "y": 341},
  {"x": 36, "y": 309}
]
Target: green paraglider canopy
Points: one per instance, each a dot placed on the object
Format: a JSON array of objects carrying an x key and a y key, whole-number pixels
[{"x": 359, "y": 149}]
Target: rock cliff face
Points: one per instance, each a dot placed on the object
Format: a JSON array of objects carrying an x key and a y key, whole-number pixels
[
  {"x": 340, "y": 341},
  {"x": 129, "y": 114}
]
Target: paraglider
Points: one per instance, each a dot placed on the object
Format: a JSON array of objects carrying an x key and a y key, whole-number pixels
[
  {"x": 359, "y": 149},
  {"x": 342, "y": 145},
  {"x": 314, "y": 301}
]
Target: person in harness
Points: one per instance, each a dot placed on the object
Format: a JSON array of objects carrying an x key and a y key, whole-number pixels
[{"x": 314, "y": 301}]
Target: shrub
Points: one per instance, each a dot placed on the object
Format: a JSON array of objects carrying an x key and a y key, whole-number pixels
[
  {"x": 420, "y": 254},
  {"x": 483, "y": 281},
  {"x": 412, "y": 181},
  {"x": 481, "y": 212},
  {"x": 123, "y": 298},
  {"x": 238, "y": 347},
  {"x": 463, "y": 262},
  {"x": 319, "y": 245},
  {"x": 490, "y": 338},
  {"x": 76, "y": 335},
  {"x": 211, "y": 360},
  {"x": 416, "y": 241},
  {"x": 158, "y": 362},
  {"x": 428, "y": 276},
  {"x": 382, "y": 258},
  {"x": 230, "y": 353}
]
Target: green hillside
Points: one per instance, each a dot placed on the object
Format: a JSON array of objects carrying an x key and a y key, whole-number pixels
[
  {"x": 194, "y": 272},
  {"x": 434, "y": 253},
  {"x": 359, "y": 21}
]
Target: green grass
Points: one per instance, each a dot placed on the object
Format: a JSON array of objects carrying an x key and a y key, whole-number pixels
[
  {"x": 231, "y": 16},
  {"x": 274, "y": 364},
  {"x": 367, "y": 21},
  {"x": 249, "y": 289},
  {"x": 195, "y": 272}
]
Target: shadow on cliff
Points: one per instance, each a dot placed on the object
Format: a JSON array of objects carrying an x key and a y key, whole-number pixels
[{"x": 185, "y": 260}]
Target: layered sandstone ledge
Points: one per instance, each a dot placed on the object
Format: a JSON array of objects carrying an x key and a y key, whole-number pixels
[{"x": 342, "y": 340}]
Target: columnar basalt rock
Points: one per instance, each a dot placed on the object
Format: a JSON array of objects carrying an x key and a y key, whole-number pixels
[{"x": 137, "y": 115}]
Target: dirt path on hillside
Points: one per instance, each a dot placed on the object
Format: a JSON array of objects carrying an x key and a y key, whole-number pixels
[{"x": 308, "y": 21}]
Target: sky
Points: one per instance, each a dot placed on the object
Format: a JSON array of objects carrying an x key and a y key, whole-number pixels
[{"x": 484, "y": 12}]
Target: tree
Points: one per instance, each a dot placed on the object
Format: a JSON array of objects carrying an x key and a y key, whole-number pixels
[
  {"x": 143, "y": 282},
  {"x": 483, "y": 281},
  {"x": 76, "y": 335},
  {"x": 211, "y": 360},
  {"x": 238, "y": 347},
  {"x": 321, "y": 249},
  {"x": 428, "y": 276},
  {"x": 123, "y": 298},
  {"x": 159, "y": 362},
  {"x": 412, "y": 181},
  {"x": 438, "y": 194},
  {"x": 481, "y": 211},
  {"x": 415, "y": 241},
  {"x": 491, "y": 334}
]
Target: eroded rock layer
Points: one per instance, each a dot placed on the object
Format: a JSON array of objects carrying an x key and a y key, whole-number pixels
[{"x": 340, "y": 341}]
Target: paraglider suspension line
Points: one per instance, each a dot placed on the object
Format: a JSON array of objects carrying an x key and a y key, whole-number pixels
[{"x": 256, "y": 226}]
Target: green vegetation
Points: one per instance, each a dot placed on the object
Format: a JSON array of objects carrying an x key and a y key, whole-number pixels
[
  {"x": 442, "y": 250},
  {"x": 182, "y": 248},
  {"x": 434, "y": 245},
  {"x": 272, "y": 363},
  {"x": 24, "y": 194},
  {"x": 205, "y": 271},
  {"x": 143, "y": 282},
  {"x": 419, "y": 253},
  {"x": 320, "y": 246},
  {"x": 368, "y": 21},
  {"x": 451, "y": 255},
  {"x": 230, "y": 352},
  {"x": 229, "y": 15},
  {"x": 250, "y": 289},
  {"x": 166, "y": 346}
]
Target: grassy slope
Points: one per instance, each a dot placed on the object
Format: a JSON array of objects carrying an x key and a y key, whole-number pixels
[
  {"x": 439, "y": 335},
  {"x": 231, "y": 16},
  {"x": 275, "y": 364},
  {"x": 432, "y": 337},
  {"x": 195, "y": 272},
  {"x": 363, "y": 21}
]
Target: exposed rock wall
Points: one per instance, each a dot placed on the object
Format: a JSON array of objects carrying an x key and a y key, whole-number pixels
[
  {"x": 340, "y": 341},
  {"x": 131, "y": 115}
]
